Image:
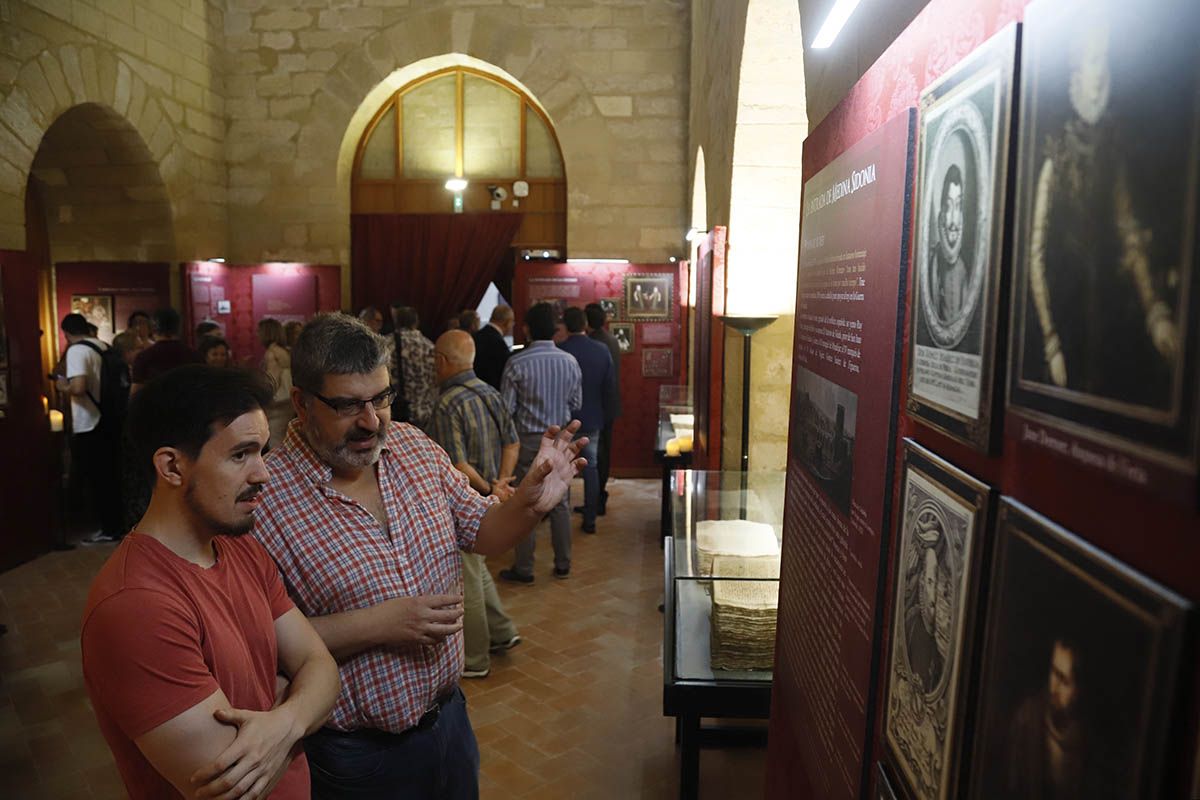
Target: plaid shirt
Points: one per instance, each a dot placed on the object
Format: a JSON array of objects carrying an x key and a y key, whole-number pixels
[
  {"x": 471, "y": 424},
  {"x": 335, "y": 556},
  {"x": 420, "y": 379}
]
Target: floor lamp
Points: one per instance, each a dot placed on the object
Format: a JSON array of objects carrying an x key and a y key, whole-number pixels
[{"x": 747, "y": 327}]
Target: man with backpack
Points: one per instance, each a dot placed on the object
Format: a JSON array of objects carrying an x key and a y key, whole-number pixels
[{"x": 97, "y": 380}]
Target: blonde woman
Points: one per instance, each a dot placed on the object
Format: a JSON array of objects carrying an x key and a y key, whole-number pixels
[{"x": 277, "y": 363}]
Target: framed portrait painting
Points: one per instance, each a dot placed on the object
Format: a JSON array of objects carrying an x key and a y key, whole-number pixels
[
  {"x": 939, "y": 549},
  {"x": 623, "y": 333},
  {"x": 1080, "y": 665},
  {"x": 611, "y": 306},
  {"x": 649, "y": 297},
  {"x": 964, "y": 131},
  {"x": 1103, "y": 362}
]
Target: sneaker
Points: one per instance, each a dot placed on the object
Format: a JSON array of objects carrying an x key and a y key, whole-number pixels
[
  {"x": 476, "y": 673},
  {"x": 589, "y": 528},
  {"x": 513, "y": 576},
  {"x": 100, "y": 538},
  {"x": 503, "y": 646},
  {"x": 561, "y": 573}
]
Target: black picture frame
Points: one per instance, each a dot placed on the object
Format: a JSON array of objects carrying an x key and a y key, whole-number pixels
[
  {"x": 611, "y": 306},
  {"x": 1103, "y": 364},
  {"x": 939, "y": 552},
  {"x": 883, "y": 786},
  {"x": 1080, "y": 647},
  {"x": 623, "y": 332},
  {"x": 956, "y": 342},
  {"x": 649, "y": 298}
]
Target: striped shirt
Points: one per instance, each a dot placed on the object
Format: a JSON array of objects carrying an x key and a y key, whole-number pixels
[
  {"x": 471, "y": 424},
  {"x": 335, "y": 556},
  {"x": 541, "y": 385}
]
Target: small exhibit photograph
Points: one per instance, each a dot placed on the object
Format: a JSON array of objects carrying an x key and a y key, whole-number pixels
[{"x": 823, "y": 433}]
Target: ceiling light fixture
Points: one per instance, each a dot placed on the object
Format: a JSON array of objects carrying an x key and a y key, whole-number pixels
[
  {"x": 456, "y": 184},
  {"x": 842, "y": 9},
  {"x": 597, "y": 260}
]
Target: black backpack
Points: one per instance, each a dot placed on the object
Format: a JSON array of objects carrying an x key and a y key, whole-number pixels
[{"x": 114, "y": 387}]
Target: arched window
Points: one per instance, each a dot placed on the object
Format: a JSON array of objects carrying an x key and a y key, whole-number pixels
[{"x": 462, "y": 122}]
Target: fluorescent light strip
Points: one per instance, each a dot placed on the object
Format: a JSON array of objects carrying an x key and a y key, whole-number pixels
[
  {"x": 597, "y": 260},
  {"x": 841, "y": 12}
]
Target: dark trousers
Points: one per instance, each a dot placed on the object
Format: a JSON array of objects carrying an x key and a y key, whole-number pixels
[
  {"x": 436, "y": 760},
  {"x": 96, "y": 459},
  {"x": 603, "y": 460}
]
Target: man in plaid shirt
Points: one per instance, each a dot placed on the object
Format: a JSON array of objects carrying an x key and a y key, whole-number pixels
[{"x": 366, "y": 519}]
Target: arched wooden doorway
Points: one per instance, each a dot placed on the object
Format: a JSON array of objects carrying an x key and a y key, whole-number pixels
[{"x": 408, "y": 242}]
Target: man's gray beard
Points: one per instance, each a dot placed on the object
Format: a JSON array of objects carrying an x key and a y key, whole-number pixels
[
  {"x": 340, "y": 456},
  {"x": 219, "y": 528}
]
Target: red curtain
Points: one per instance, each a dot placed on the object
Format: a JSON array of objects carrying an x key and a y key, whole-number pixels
[{"x": 437, "y": 263}]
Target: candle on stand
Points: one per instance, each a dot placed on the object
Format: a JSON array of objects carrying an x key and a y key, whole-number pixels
[{"x": 56, "y": 420}]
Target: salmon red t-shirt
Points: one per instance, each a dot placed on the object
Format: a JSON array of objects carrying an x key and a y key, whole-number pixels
[{"x": 160, "y": 634}]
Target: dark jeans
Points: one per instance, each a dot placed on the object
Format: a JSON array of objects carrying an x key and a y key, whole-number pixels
[
  {"x": 603, "y": 461},
  {"x": 96, "y": 459},
  {"x": 591, "y": 481},
  {"x": 436, "y": 760}
]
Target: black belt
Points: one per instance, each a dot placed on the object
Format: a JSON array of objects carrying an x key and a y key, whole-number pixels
[{"x": 427, "y": 721}]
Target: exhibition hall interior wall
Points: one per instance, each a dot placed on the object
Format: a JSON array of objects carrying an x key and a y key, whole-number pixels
[
  {"x": 1117, "y": 514},
  {"x": 653, "y": 339}
]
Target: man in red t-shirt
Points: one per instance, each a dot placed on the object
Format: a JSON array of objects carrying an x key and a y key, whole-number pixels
[{"x": 188, "y": 623}]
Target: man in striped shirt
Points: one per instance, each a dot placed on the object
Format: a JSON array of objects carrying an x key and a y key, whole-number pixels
[
  {"x": 540, "y": 386},
  {"x": 471, "y": 425}
]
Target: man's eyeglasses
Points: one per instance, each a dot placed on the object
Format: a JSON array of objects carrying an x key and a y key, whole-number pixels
[{"x": 351, "y": 407}]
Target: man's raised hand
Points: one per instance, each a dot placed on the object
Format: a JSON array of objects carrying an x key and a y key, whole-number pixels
[{"x": 555, "y": 465}]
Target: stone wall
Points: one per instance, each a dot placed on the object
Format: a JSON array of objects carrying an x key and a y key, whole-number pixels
[
  {"x": 304, "y": 81},
  {"x": 153, "y": 64}
]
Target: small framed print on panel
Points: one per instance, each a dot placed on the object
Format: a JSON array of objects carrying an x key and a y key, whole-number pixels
[
  {"x": 1078, "y": 688},
  {"x": 623, "y": 333},
  {"x": 649, "y": 297},
  {"x": 611, "y": 306},
  {"x": 964, "y": 129},
  {"x": 939, "y": 549},
  {"x": 1104, "y": 359},
  {"x": 657, "y": 362}
]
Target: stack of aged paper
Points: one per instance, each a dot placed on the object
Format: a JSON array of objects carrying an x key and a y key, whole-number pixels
[
  {"x": 744, "y": 612},
  {"x": 734, "y": 537}
]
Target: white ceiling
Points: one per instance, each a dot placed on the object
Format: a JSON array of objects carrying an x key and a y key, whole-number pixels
[{"x": 830, "y": 73}]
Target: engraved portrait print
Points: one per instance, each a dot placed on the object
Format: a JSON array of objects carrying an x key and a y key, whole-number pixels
[{"x": 931, "y": 582}]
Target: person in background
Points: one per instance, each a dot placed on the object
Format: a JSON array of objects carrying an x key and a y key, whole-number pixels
[
  {"x": 596, "y": 367},
  {"x": 135, "y": 338},
  {"x": 206, "y": 328},
  {"x": 188, "y": 623},
  {"x": 94, "y": 441},
  {"x": 277, "y": 364},
  {"x": 167, "y": 352},
  {"x": 291, "y": 332},
  {"x": 364, "y": 517},
  {"x": 468, "y": 320},
  {"x": 453, "y": 323},
  {"x": 471, "y": 425},
  {"x": 372, "y": 317},
  {"x": 214, "y": 351},
  {"x": 416, "y": 364},
  {"x": 596, "y": 320},
  {"x": 491, "y": 349},
  {"x": 541, "y": 385}
]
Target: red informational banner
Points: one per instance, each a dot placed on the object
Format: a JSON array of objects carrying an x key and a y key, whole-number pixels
[{"x": 853, "y": 260}]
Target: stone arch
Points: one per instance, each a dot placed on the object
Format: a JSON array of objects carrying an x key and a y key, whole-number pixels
[
  {"x": 101, "y": 190},
  {"x": 52, "y": 83},
  {"x": 764, "y": 223},
  {"x": 342, "y": 104}
]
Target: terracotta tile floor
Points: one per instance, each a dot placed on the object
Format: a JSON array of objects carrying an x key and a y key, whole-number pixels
[{"x": 575, "y": 711}]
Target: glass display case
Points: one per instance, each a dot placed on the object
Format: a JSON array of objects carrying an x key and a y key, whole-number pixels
[
  {"x": 721, "y": 593},
  {"x": 672, "y": 441}
]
